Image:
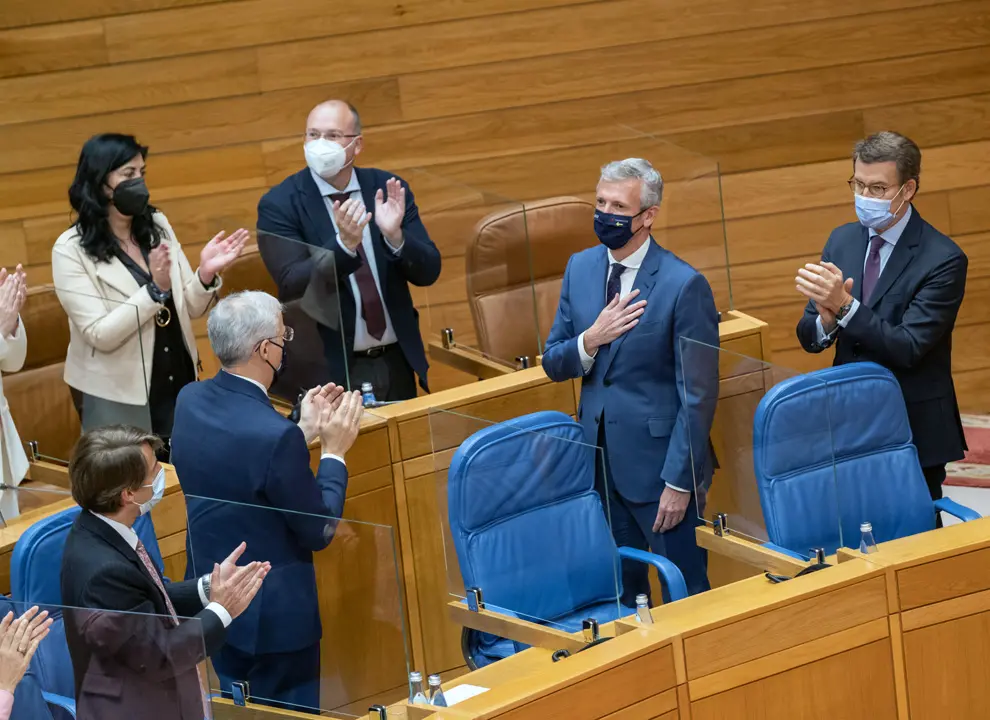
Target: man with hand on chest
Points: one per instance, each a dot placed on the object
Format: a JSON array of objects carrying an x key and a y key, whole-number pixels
[
  {"x": 888, "y": 290},
  {"x": 625, "y": 311},
  {"x": 369, "y": 220}
]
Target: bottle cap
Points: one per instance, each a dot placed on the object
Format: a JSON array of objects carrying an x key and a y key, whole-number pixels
[
  {"x": 434, "y": 679},
  {"x": 367, "y": 387},
  {"x": 641, "y": 599},
  {"x": 415, "y": 677},
  {"x": 866, "y": 527}
]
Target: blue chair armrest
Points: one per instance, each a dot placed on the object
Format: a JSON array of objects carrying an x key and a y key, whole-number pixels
[
  {"x": 60, "y": 701},
  {"x": 671, "y": 576},
  {"x": 785, "y": 551},
  {"x": 955, "y": 509}
]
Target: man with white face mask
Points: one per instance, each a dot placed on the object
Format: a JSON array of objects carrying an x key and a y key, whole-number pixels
[
  {"x": 133, "y": 653},
  {"x": 370, "y": 221},
  {"x": 888, "y": 290}
]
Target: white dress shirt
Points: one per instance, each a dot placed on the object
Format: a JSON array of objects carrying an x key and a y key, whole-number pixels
[
  {"x": 131, "y": 538},
  {"x": 891, "y": 235},
  {"x": 362, "y": 339},
  {"x": 324, "y": 456},
  {"x": 626, "y": 280}
]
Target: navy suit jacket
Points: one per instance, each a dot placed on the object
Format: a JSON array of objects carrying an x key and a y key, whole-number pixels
[
  {"x": 230, "y": 444},
  {"x": 906, "y": 326},
  {"x": 295, "y": 209},
  {"x": 657, "y": 393}
]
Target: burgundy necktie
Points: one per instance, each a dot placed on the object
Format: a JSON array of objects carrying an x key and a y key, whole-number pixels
[
  {"x": 872, "y": 271},
  {"x": 372, "y": 309}
]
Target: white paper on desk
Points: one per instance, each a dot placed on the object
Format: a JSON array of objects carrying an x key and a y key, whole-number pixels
[{"x": 462, "y": 692}]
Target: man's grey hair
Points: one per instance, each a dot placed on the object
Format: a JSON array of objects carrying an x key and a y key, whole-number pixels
[
  {"x": 651, "y": 184},
  {"x": 887, "y": 146},
  {"x": 239, "y": 322}
]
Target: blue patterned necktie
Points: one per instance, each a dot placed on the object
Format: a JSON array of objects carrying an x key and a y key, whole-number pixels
[{"x": 614, "y": 282}]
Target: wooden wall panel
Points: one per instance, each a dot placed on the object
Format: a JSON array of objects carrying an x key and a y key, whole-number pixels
[{"x": 519, "y": 99}]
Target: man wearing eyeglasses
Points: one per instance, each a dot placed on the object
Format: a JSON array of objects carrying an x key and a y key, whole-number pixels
[
  {"x": 245, "y": 474},
  {"x": 888, "y": 290},
  {"x": 370, "y": 221}
]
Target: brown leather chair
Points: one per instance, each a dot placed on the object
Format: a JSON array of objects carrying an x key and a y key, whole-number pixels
[
  {"x": 40, "y": 401},
  {"x": 248, "y": 272},
  {"x": 515, "y": 265}
]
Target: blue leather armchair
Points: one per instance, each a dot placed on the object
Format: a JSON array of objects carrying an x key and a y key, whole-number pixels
[
  {"x": 832, "y": 449},
  {"x": 35, "y": 568},
  {"x": 529, "y": 530}
]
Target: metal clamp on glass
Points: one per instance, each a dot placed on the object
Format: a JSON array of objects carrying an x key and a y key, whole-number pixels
[
  {"x": 447, "y": 338},
  {"x": 590, "y": 628},
  {"x": 475, "y": 600},
  {"x": 819, "y": 554},
  {"x": 720, "y": 524},
  {"x": 522, "y": 361},
  {"x": 378, "y": 712},
  {"x": 33, "y": 449},
  {"x": 241, "y": 692}
]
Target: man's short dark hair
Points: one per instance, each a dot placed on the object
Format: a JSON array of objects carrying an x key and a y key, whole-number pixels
[
  {"x": 107, "y": 461},
  {"x": 887, "y": 146}
]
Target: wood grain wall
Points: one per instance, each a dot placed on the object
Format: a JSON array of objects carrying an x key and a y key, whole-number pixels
[{"x": 775, "y": 91}]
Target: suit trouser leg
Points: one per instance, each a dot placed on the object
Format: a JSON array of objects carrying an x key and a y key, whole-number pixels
[
  {"x": 934, "y": 477},
  {"x": 290, "y": 681}
]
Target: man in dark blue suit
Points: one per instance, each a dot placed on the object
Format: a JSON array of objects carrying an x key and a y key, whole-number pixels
[
  {"x": 245, "y": 473},
  {"x": 376, "y": 255},
  {"x": 888, "y": 290},
  {"x": 647, "y": 398}
]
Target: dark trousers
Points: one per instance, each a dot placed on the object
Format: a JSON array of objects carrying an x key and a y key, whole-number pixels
[
  {"x": 289, "y": 681},
  {"x": 388, "y": 372},
  {"x": 632, "y": 526},
  {"x": 934, "y": 477}
]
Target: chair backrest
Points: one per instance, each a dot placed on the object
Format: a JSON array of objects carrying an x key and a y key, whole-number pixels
[
  {"x": 527, "y": 524},
  {"x": 516, "y": 255},
  {"x": 834, "y": 447},
  {"x": 36, "y": 562},
  {"x": 248, "y": 272},
  {"x": 40, "y": 401}
]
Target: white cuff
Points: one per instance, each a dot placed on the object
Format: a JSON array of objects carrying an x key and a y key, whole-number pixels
[
  {"x": 331, "y": 456},
  {"x": 674, "y": 487},
  {"x": 395, "y": 250},
  {"x": 202, "y": 591},
  {"x": 586, "y": 360},
  {"x": 221, "y": 613},
  {"x": 823, "y": 337},
  {"x": 852, "y": 311},
  {"x": 352, "y": 253}
]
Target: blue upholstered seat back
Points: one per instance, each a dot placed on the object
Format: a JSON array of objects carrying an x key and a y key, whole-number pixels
[
  {"x": 834, "y": 447},
  {"x": 526, "y": 521}
]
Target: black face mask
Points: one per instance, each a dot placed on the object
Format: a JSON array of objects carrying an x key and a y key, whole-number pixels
[
  {"x": 276, "y": 371},
  {"x": 131, "y": 197}
]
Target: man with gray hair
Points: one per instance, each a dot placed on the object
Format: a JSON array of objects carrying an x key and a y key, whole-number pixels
[
  {"x": 624, "y": 310},
  {"x": 887, "y": 290},
  {"x": 244, "y": 470}
]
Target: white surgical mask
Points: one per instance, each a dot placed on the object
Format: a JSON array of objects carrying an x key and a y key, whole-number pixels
[
  {"x": 875, "y": 213},
  {"x": 157, "y": 493},
  {"x": 325, "y": 158}
]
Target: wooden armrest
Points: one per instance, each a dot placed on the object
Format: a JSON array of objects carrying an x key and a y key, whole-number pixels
[
  {"x": 469, "y": 360},
  {"x": 522, "y": 631},
  {"x": 748, "y": 552}
]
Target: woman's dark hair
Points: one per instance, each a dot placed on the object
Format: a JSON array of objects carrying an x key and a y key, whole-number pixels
[{"x": 100, "y": 156}]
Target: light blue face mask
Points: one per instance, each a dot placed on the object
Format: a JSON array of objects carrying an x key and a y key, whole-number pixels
[
  {"x": 875, "y": 213},
  {"x": 157, "y": 493}
]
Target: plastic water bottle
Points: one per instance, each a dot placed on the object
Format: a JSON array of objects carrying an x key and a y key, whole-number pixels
[
  {"x": 368, "y": 394},
  {"x": 416, "y": 694},
  {"x": 436, "y": 692},
  {"x": 866, "y": 542},
  {"x": 643, "y": 610}
]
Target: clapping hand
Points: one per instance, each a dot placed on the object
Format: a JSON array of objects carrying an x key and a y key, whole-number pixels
[
  {"x": 390, "y": 211},
  {"x": 160, "y": 264},
  {"x": 313, "y": 404},
  {"x": 13, "y": 293},
  {"x": 219, "y": 253},
  {"x": 19, "y": 639},
  {"x": 234, "y": 586},
  {"x": 824, "y": 285},
  {"x": 351, "y": 218},
  {"x": 340, "y": 422}
]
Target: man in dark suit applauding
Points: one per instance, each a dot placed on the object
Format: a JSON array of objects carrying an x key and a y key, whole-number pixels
[
  {"x": 888, "y": 290},
  {"x": 140, "y": 661},
  {"x": 244, "y": 469},
  {"x": 370, "y": 221}
]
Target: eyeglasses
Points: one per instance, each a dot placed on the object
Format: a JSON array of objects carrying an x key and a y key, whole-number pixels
[
  {"x": 331, "y": 135},
  {"x": 875, "y": 190},
  {"x": 288, "y": 334}
]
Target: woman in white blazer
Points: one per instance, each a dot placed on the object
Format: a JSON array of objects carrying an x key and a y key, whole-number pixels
[
  {"x": 130, "y": 292},
  {"x": 13, "y": 350}
]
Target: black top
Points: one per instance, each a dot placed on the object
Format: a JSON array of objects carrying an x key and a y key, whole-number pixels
[{"x": 171, "y": 366}]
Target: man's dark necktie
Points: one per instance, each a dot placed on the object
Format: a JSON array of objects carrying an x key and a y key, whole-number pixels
[
  {"x": 872, "y": 270},
  {"x": 372, "y": 309},
  {"x": 614, "y": 284}
]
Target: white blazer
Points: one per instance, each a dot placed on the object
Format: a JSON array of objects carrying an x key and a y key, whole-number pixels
[
  {"x": 106, "y": 309},
  {"x": 13, "y": 460}
]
